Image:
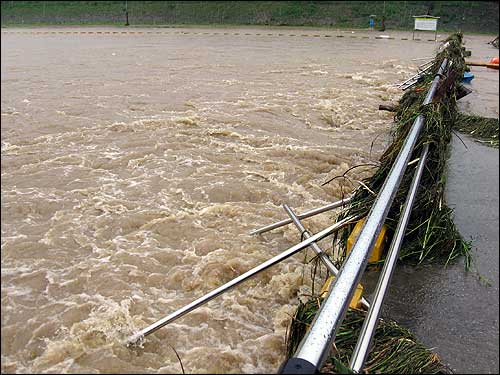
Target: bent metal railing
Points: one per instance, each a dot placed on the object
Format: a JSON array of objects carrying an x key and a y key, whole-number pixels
[
  {"x": 137, "y": 337},
  {"x": 309, "y": 241},
  {"x": 315, "y": 346}
]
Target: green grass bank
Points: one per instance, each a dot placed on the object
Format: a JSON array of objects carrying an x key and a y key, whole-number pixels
[{"x": 467, "y": 16}]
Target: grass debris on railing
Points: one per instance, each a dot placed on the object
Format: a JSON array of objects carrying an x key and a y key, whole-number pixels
[
  {"x": 431, "y": 235},
  {"x": 395, "y": 350}
]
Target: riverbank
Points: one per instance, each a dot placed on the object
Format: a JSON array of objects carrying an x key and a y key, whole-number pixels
[{"x": 473, "y": 16}]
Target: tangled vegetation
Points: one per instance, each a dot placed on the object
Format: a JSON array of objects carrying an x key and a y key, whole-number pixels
[
  {"x": 395, "y": 350},
  {"x": 431, "y": 235},
  {"x": 484, "y": 129}
]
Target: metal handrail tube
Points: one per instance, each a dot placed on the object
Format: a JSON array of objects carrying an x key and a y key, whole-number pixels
[
  {"x": 315, "y": 346},
  {"x": 362, "y": 347},
  {"x": 415, "y": 77},
  {"x": 214, "y": 293},
  {"x": 304, "y": 215},
  {"x": 427, "y": 63},
  {"x": 321, "y": 254}
]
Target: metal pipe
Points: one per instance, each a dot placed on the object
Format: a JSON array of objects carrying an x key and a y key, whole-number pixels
[
  {"x": 422, "y": 58},
  {"x": 316, "y": 344},
  {"x": 304, "y": 215},
  {"x": 362, "y": 347},
  {"x": 426, "y": 64},
  {"x": 412, "y": 78},
  {"x": 416, "y": 76},
  {"x": 321, "y": 254},
  {"x": 214, "y": 293},
  {"x": 407, "y": 85}
]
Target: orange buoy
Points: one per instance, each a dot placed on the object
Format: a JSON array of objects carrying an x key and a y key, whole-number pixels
[{"x": 494, "y": 61}]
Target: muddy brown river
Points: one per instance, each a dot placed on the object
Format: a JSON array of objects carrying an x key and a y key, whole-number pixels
[{"x": 134, "y": 163}]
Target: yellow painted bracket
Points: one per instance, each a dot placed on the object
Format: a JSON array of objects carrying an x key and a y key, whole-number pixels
[
  {"x": 375, "y": 255},
  {"x": 355, "y": 301},
  {"x": 378, "y": 249}
]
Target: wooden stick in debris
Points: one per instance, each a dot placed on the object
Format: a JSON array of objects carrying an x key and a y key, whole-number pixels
[
  {"x": 488, "y": 65},
  {"x": 385, "y": 107}
]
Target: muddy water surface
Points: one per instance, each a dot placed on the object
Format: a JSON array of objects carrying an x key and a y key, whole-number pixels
[{"x": 135, "y": 164}]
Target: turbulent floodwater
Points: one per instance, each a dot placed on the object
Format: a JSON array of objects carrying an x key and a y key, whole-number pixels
[{"x": 134, "y": 166}]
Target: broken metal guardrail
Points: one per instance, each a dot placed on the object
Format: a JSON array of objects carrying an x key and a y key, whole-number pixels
[
  {"x": 417, "y": 77},
  {"x": 304, "y": 215},
  {"x": 133, "y": 339},
  {"x": 315, "y": 346},
  {"x": 321, "y": 254}
]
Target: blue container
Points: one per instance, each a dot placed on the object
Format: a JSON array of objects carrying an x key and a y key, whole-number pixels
[{"x": 468, "y": 76}]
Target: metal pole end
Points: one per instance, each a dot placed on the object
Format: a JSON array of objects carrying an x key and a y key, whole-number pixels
[
  {"x": 135, "y": 340},
  {"x": 298, "y": 366}
]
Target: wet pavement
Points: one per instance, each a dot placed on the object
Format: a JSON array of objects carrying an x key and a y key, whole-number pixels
[{"x": 452, "y": 311}]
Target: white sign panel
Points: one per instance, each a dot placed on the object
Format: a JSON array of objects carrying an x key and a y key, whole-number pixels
[{"x": 429, "y": 24}]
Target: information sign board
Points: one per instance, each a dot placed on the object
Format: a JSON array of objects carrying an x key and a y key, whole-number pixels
[{"x": 428, "y": 24}]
